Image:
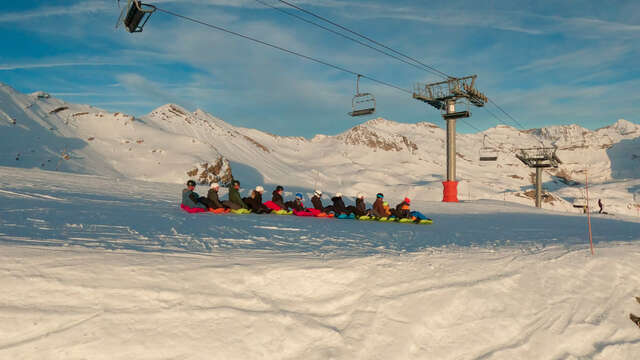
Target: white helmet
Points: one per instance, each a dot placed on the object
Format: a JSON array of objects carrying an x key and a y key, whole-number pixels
[
  {"x": 214, "y": 185},
  {"x": 259, "y": 189},
  {"x": 338, "y": 194},
  {"x": 318, "y": 193},
  {"x": 360, "y": 196}
]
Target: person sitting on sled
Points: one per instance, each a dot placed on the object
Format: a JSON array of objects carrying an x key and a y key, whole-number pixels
[
  {"x": 297, "y": 204},
  {"x": 388, "y": 212},
  {"x": 192, "y": 200},
  {"x": 339, "y": 207},
  {"x": 235, "y": 201},
  {"x": 278, "y": 199},
  {"x": 361, "y": 206},
  {"x": 254, "y": 201},
  {"x": 213, "y": 197},
  {"x": 403, "y": 210},
  {"x": 316, "y": 200},
  {"x": 378, "y": 207}
]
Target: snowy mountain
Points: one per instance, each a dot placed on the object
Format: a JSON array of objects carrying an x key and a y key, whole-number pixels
[{"x": 171, "y": 144}]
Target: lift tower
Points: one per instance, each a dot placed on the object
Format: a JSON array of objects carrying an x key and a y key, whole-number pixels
[
  {"x": 443, "y": 96},
  {"x": 539, "y": 158}
]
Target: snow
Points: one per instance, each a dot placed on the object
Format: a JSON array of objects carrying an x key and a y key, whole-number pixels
[
  {"x": 94, "y": 267},
  {"x": 98, "y": 261}
]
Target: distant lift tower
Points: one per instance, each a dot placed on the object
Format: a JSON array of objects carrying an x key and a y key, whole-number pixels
[
  {"x": 443, "y": 96},
  {"x": 539, "y": 158}
]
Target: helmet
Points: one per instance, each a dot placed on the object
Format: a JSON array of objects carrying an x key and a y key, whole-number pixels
[
  {"x": 259, "y": 189},
  {"x": 214, "y": 185},
  {"x": 279, "y": 188},
  {"x": 380, "y": 195},
  {"x": 360, "y": 196},
  {"x": 407, "y": 200},
  {"x": 299, "y": 196},
  {"x": 318, "y": 193},
  {"x": 191, "y": 183},
  {"x": 338, "y": 194}
]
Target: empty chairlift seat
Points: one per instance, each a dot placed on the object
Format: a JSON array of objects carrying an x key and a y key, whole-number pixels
[
  {"x": 135, "y": 15},
  {"x": 362, "y": 103}
]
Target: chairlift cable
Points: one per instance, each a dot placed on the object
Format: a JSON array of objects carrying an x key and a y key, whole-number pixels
[
  {"x": 433, "y": 69},
  {"x": 348, "y": 38},
  {"x": 169, "y": 12}
]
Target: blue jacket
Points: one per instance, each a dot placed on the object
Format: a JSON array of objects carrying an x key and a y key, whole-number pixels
[{"x": 190, "y": 199}]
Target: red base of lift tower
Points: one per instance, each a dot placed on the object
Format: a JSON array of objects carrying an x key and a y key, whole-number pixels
[{"x": 450, "y": 191}]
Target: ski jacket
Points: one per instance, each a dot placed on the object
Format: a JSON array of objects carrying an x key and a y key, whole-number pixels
[
  {"x": 212, "y": 195},
  {"x": 338, "y": 204},
  {"x": 234, "y": 197},
  {"x": 317, "y": 203},
  {"x": 278, "y": 200},
  {"x": 361, "y": 207},
  {"x": 297, "y": 205},
  {"x": 378, "y": 208},
  {"x": 403, "y": 210},
  {"x": 190, "y": 199}
]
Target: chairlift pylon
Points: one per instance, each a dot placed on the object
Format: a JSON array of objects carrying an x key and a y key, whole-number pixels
[
  {"x": 135, "y": 15},
  {"x": 488, "y": 153},
  {"x": 362, "y": 103}
]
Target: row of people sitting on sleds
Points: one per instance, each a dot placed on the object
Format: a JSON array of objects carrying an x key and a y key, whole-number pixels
[{"x": 192, "y": 202}]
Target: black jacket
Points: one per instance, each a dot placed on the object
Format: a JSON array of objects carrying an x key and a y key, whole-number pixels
[
  {"x": 338, "y": 204},
  {"x": 361, "y": 207},
  {"x": 317, "y": 203},
  {"x": 278, "y": 200}
]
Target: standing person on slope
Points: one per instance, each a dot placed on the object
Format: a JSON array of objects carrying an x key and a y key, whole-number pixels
[{"x": 601, "y": 205}]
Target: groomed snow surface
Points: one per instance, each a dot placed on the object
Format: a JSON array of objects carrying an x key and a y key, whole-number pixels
[{"x": 101, "y": 268}]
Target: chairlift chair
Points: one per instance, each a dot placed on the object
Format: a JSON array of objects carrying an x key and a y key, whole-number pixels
[
  {"x": 580, "y": 202},
  {"x": 488, "y": 153},
  {"x": 362, "y": 103},
  {"x": 135, "y": 15}
]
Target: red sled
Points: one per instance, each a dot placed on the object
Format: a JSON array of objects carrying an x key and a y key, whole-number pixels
[
  {"x": 191, "y": 210},
  {"x": 273, "y": 206},
  {"x": 302, "y": 213}
]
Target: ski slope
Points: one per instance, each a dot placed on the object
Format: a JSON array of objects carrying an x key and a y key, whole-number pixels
[
  {"x": 110, "y": 268},
  {"x": 171, "y": 144}
]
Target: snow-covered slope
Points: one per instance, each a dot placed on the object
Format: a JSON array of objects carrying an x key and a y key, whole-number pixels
[
  {"x": 38, "y": 130},
  {"x": 377, "y": 156},
  {"x": 92, "y": 268}
]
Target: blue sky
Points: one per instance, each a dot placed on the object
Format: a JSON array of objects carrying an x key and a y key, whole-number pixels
[{"x": 545, "y": 62}]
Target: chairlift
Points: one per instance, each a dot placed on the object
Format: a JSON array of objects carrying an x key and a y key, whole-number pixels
[
  {"x": 362, "y": 103},
  {"x": 135, "y": 15},
  {"x": 580, "y": 202},
  {"x": 488, "y": 153}
]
